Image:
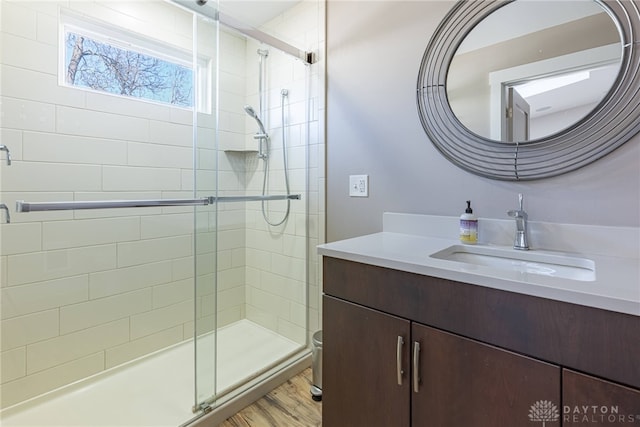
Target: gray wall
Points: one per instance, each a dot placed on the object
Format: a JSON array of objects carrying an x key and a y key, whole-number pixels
[{"x": 374, "y": 50}]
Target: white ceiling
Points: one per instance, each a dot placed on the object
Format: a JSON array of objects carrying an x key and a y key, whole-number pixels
[
  {"x": 585, "y": 92},
  {"x": 255, "y": 13},
  {"x": 525, "y": 17}
]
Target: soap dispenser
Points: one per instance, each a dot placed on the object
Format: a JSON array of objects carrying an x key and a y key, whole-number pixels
[{"x": 468, "y": 226}]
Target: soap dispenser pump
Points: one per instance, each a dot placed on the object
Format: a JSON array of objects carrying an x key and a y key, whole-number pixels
[{"x": 468, "y": 226}]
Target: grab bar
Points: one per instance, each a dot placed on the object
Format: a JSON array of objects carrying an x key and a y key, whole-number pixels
[{"x": 23, "y": 207}]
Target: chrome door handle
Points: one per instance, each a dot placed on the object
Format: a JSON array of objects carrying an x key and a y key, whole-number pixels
[
  {"x": 22, "y": 206},
  {"x": 399, "y": 370},
  {"x": 416, "y": 366}
]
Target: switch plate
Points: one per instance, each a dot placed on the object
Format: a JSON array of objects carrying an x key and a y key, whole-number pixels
[{"x": 359, "y": 185}]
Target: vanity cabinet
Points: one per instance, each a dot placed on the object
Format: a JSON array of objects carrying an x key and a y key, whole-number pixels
[
  {"x": 403, "y": 349},
  {"x": 381, "y": 370}
]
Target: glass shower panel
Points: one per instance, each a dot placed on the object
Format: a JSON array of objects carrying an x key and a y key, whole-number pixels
[
  {"x": 102, "y": 300},
  {"x": 206, "y": 180},
  {"x": 262, "y": 258},
  {"x": 276, "y": 231},
  {"x": 252, "y": 133}
]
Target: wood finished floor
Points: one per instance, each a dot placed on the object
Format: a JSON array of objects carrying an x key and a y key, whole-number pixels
[{"x": 289, "y": 405}]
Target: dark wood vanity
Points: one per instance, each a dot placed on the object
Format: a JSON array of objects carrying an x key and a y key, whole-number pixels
[{"x": 403, "y": 349}]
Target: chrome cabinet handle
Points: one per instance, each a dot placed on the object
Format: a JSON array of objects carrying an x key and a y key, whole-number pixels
[
  {"x": 416, "y": 366},
  {"x": 399, "y": 370}
]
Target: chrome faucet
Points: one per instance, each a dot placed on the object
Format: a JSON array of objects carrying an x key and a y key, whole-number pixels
[
  {"x": 5, "y": 148},
  {"x": 521, "y": 241},
  {"x": 6, "y": 209}
]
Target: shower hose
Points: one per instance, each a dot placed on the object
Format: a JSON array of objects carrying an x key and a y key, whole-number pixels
[{"x": 284, "y": 93}]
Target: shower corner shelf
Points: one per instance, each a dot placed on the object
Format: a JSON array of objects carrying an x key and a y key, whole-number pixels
[{"x": 241, "y": 152}]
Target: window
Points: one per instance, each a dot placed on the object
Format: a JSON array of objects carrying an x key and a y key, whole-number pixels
[
  {"x": 105, "y": 58},
  {"x": 107, "y": 68}
]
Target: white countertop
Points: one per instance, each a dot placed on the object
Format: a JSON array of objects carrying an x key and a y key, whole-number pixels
[{"x": 616, "y": 286}]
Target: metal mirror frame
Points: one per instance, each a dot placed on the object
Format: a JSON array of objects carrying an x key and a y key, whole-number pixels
[{"x": 612, "y": 123}]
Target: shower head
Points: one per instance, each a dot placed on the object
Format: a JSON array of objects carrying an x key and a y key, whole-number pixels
[{"x": 251, "y": 112}]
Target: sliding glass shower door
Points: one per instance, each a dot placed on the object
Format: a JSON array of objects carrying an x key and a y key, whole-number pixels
[
  {"x": 110, "y": 203},
  {"x": 252, "y": 246}
]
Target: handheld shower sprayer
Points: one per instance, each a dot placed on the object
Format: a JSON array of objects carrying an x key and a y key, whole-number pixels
[
  {"x": 262, "y": 136},
  {"x": 251, "y": 112}
]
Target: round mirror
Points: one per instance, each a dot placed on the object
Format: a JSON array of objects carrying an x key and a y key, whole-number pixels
[{"x": 529, "y": 89}]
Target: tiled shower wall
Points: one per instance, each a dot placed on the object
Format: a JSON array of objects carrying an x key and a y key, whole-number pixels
[
  {"x": 85, "y": 291},
  {"x": 277, "y": 261},
  {"x": 276, "y": 255}
]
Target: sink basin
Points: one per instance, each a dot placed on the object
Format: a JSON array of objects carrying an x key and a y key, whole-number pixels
[{"x": 525, "y": 262}]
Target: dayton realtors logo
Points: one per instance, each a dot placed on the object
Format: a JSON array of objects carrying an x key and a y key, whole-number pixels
[{"x": 545, "y": 411}]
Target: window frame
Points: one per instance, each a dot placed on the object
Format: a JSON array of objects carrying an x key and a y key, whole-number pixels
[{"x": 125, "y": 39}]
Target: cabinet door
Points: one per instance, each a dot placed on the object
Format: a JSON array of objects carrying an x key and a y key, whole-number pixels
[
  {"x": 590, "y": 401},
  {"x": 467, "y": 383},
  {"x": 360, "y": 360}
]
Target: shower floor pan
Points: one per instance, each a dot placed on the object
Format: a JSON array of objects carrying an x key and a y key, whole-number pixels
[{"x": 157, "y": 390}]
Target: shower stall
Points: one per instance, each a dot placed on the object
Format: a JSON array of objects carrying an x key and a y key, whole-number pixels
[{"x": 159, "y": 192}]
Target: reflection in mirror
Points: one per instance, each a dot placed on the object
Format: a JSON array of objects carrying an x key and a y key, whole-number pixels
[{"x": 538, "y": 67}]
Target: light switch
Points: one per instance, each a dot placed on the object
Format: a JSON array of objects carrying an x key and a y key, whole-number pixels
[{"x": 359, "y": 185}]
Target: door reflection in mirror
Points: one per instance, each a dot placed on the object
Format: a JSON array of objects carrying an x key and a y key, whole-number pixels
[{"x": 517, "y": 119}]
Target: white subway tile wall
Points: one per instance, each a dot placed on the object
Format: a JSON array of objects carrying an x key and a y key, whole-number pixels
[
  {"x": 85, "y": 291},
  {"x": 276, "y": 261}
]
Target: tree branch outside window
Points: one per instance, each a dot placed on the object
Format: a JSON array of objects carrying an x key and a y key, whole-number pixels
[{"x": 108, "y": 68}]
